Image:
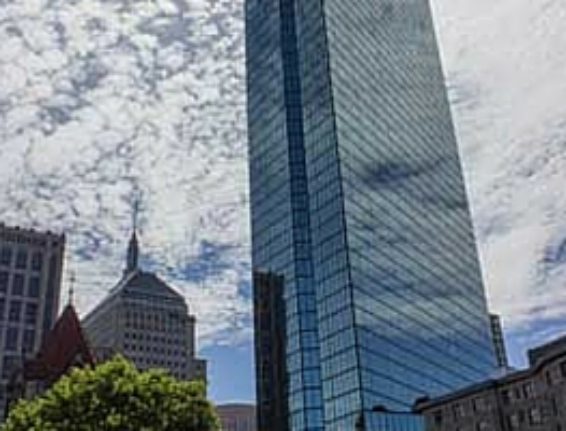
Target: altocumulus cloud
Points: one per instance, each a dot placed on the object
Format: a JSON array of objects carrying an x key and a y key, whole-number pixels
[{"x": 104, "y": 99}]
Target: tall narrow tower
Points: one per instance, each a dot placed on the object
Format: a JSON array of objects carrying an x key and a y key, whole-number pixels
[{"x": 358, "y": 203}]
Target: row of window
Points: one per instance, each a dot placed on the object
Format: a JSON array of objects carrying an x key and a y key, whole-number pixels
[
  {"x": 532, "y": 416},
  {"x": 18, "y": 283},
  {"x": 520, "y": 392},
  {"x": 155, "y": 320},
  {"x": 509, "y": 397},
  {"x": 14, "y": 312},
  {"x": 526, "y": 390},
  {"x": 9, "y": 365},
  {"x": 21, "y": 260},
  {"x": 151, "y": 325},
  {"x": 160, "y": 339},
  {"x": 146, "y": 362},
  {"x": 11, "y": 341},
  {"x": 154, "y": 349}
]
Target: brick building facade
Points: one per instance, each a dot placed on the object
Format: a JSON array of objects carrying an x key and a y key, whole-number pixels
[{"x": 529, "y": 400}]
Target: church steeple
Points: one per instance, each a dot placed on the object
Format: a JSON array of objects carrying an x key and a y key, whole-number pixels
[
  {"x": 72, "y": 280},
  {"x": 132, "y": 258}
]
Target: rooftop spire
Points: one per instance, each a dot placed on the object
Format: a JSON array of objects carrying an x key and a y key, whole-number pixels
[
  {"x": 133, "y": 246},
  {"x": 133, "y": 254}
]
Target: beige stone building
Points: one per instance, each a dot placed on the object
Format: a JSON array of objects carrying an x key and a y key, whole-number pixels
[
  {"x": 147, "y": 321},
  {"x": 237, "y": 417},
  {"x": 529, "y": 400}
]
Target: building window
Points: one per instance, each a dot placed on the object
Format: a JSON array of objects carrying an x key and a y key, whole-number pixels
[
  {"x": 33, "y": 287},
  {"x": 505, "y": 397},
  {"x": 554, "y": 407},
  {"x": 31, "y": 314},
  {"x": 482, "y": 426},
  {"x": 478, "y": 404},
  {"x": 22, "y": 259},
  {"x": 548, "y": 377},
  {"x": 528, "y": 390},
  {"x": 513, "y": 421},
  {"x": 18, "y": 284},
  {"x": 6, "y": 256},
  {"x": 563, "y": 369},
  {"x": 2, "y": 304},
  {"x": 10, "y": 363},
  {"x": 29, "y": 340},
  {"x": 4, "y": 277},
  {"x": 11, "y": 343},
  {"x": 535, "y": 418},
  {"x": 437, "y": 417},
  {"x": 458, "y": 410},
  {"x": 37, "y": 261},
  {"x": 15, "y": 311}
]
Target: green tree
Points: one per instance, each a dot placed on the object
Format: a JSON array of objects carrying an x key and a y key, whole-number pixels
[{"x": 115, "y": 396}]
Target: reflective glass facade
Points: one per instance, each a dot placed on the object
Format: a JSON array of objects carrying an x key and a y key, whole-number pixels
[{"x": 358, "y": 202}]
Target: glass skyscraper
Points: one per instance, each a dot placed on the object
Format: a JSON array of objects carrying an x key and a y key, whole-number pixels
[{"x": 358, "y": 203}]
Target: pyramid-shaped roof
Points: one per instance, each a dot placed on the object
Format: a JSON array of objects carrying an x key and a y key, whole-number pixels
[
  {"x": 63, "y": 347},
  {"x": 145, "y": 284}
]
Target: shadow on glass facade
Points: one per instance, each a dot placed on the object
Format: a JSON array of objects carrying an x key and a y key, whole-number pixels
[
  {"x": 358, "y": 201},
  {"x": 271, "y": 370}
]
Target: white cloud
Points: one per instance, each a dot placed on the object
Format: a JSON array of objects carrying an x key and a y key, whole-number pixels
[
  {"x": 101, "y": 97},
  {"x": 505, "y": 62}
]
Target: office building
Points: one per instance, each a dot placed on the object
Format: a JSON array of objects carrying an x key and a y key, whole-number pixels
[
  {"x": 529, "y": 400},
  {"x": 358, "y": 202},
  {"x": 498, "y": 338},
  {"x": 147, "y": 321},
  {"x": 31, "y": 265},
  {"x": 237, "y": 417},
  {"x": 269, "y": 323}
]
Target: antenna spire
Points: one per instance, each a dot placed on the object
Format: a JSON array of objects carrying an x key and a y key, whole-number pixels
[
  {"x": 72, "y": 280},
  {"x": 132, "y": 259},
  {"x": 135, "y": 213}
]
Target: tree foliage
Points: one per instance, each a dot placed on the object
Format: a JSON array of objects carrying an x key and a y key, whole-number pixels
[{"x": 115, "y": 396}]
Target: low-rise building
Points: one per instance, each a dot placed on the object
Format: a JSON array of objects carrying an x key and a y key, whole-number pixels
[
  {"x": 63, "y": 348},
  {"x": 533, "y": 399},
  {"x": 237, "y": 417}
]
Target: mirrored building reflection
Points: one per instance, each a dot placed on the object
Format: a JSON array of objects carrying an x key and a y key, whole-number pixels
[{"x": 358, "y": 202}]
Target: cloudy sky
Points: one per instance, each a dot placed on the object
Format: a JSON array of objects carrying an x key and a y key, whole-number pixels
[{"x": 104, "y": 100}]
